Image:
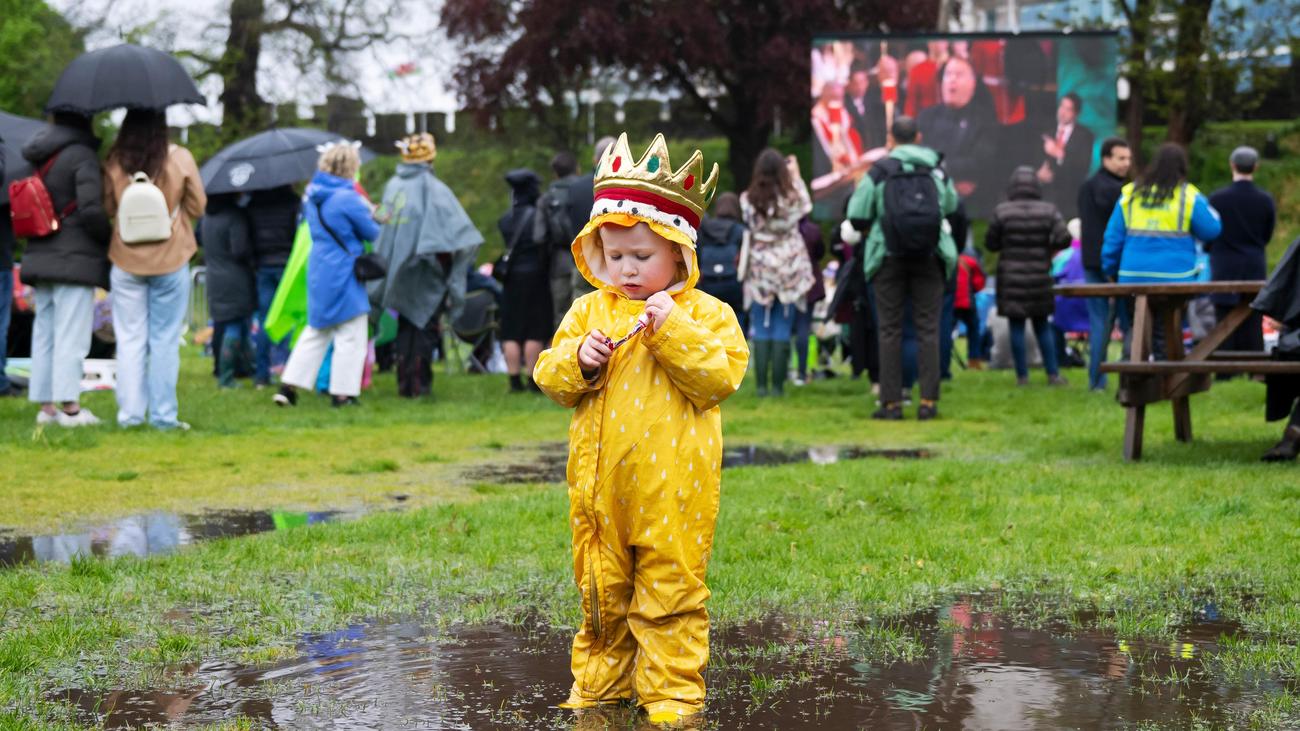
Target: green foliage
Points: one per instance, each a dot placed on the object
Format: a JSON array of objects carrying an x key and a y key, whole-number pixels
[{"x": 36, "y": 43}]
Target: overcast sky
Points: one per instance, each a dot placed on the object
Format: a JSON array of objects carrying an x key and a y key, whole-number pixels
[{"x": 186, "y": 24}]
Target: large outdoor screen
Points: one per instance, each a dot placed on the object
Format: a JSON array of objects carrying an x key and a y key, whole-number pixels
[{"x": 988, "y": 102}]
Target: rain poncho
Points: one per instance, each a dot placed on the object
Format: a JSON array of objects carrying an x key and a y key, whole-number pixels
[
  {"x": 645, "y": 462},
  {"x": 423, "y": 219}
]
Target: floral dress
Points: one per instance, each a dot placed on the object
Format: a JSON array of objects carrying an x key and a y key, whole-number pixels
[{"x": 779, "y": 269}]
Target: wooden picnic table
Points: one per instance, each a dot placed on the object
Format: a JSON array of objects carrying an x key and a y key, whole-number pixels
[{"x": 1181, "y": 373}]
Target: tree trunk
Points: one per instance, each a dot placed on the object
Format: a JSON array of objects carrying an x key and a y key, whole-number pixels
[
  {"x": 244, "y": 109},
  {"x": 1138, "y": 73},
  {"x": 1187, "y": 92}
]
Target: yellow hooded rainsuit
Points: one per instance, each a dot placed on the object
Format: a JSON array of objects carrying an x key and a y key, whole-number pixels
[{"x": 645, "y": 465}]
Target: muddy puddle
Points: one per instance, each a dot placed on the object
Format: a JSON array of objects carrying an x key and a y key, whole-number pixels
[
  {"x": 978, "y": 670},
  {"x": 548, "y": 463},
  {"x": 153, "y": 534}
]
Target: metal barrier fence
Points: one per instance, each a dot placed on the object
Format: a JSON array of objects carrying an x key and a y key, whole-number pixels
[{"x": 197, "y": 317}]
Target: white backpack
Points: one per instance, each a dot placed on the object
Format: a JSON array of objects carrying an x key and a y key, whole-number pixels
[{"x": 142, "y": 215}]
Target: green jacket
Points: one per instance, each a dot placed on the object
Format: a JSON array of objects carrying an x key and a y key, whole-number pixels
[{"x": 868, "y": 203}]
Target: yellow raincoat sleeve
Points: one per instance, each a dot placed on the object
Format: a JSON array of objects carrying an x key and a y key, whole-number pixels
[
  {"x": 557, "y": 371},
  {"x": 703, "y": 351}
]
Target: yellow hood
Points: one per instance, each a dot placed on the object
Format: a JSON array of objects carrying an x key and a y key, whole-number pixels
[{"x": 589, "y": 260}]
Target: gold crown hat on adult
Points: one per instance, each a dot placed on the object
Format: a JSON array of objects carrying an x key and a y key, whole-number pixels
[
  {"x": 419, "y": 147},
  {"x": 629, "y": 191}
]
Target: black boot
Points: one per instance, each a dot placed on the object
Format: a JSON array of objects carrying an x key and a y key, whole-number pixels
[{"x": 516, "y": 383}]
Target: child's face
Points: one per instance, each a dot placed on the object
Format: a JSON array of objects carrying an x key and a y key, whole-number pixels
[{"x": 639, "y": 261}]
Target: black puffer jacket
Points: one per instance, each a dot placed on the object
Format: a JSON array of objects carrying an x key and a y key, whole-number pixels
[
  {"x": 1028, "y": 231},
  {"x": 272, "y": 224},
  {"x": 78, "y": 252},
  {"x": 228, "y": 258}
]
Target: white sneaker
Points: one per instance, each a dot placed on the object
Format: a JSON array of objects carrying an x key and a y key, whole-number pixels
[
  {"x": 177, "y": 426},
  {"x": 44, "y": 418},
  {"x": 81, "y": 418},
  {"x": 799, "y": 381}
]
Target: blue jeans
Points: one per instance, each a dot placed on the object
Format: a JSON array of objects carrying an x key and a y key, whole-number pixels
[
  {"x": 773, "y": 322},
  {"x": 801, "y": 330},
  {"x": 6, "y": 304},
  {"x": 1101, "y": 321},
  {"x": 1046, "y": 345},
  {"x": 268, "y": 280},
  {"x": 148, "y": 318},
  {"x": 947, "y": 322}
]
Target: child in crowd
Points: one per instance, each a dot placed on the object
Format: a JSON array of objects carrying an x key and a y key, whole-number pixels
[
  {"x": 645, "y": 360},
  {"x": 970, "y": 282}
]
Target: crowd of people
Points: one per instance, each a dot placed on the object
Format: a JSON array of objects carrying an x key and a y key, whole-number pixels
[{"x": 902, "y": 275}]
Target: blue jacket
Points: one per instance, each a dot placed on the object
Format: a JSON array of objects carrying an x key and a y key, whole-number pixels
[
  {"x": 1161, "y": 247},
  {"x": 334, "y": 295}
]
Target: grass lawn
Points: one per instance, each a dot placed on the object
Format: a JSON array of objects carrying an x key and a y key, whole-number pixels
[{"x": 1026, "y": 492}]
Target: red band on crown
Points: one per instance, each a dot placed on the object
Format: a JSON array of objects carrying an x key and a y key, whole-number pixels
[{"x": 640, "y": 196}]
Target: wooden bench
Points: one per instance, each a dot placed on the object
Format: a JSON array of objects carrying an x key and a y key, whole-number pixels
[{"x": 1182, "y": 373}]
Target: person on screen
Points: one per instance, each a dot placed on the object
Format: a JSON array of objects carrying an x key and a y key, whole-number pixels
[
  {"x": 865, "y": 107},
  {"x": 962, "y": 127},
  {"x": 837, "y": 138},
  {"x": 1068, "y": 154},
  {"x": 922, "y": 77}
]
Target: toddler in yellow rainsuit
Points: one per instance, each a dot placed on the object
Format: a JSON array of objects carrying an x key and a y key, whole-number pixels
[{"x": 645, "y": 444}]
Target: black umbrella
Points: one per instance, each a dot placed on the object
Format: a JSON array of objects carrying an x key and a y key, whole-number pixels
[
  {"x": 122, "y": 76},
  {"x": 14, "y": 133},
  {"x": 268, "y": 160}
]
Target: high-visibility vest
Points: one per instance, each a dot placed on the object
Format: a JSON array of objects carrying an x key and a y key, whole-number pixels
[{"x": 1170, "y": 218}]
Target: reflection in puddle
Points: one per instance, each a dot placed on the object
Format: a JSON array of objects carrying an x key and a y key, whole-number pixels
[
  {"x": 548, "y": 463},
  {"x": 152, "y": 534},
  {"x": 977, "y": 671}
]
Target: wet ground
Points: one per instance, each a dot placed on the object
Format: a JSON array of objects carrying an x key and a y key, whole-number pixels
[
  {"x": 159, "y": 533},
  {"x": 978, "y": 671},
  {"x": 547, "y": 463},
  {"x": 153, "y": 534}
]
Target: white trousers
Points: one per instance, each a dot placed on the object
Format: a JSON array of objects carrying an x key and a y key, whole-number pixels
[
  {"x": 347, "y": 365},
  {"x": 65, "y": 314}
]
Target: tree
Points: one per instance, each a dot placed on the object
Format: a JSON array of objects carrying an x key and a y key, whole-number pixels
[
  {"x": 320, "y": 33},
  {"x": 739, "y": 62},
  {"x": 36, "y": 43},
  {"x": 1138, "y": 14}
]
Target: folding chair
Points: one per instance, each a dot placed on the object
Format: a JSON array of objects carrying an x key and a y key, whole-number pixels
[{"x": 476, "y": 327}]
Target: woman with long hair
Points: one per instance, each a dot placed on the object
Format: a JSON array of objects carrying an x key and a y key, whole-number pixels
[
  {"x": 1152, "y": 233},
  {"x": 64, "y": 268},
  {"x": 151, "y": 280},
  {"x": 780, "y": 273}
]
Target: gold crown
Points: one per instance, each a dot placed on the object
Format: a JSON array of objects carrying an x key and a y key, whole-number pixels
[
  {"x": 653, "y": 175},
  {"x": 418, "y": 147}
]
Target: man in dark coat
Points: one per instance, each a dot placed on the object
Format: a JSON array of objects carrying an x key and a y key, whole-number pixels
[
  {"x": 65, "y": 267},
  {"x": 1028, "y": 231},
  {"x": 1280, "y": 300},
  {"x": 272, "y": 224},
  {"x": 1097, "y": 198},
  {"x": 561, "y": 213},
  {"x": 1249, "y": 217},
  {"x": 231, "y": 285},
  {"x": 1068, "y": 154}
]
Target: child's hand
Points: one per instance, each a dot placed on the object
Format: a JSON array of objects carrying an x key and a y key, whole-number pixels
[
  {"x": 657, "y": 307},
  {"x": 593, "y": 353}
]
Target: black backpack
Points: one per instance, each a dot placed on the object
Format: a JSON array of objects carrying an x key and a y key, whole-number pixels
[
  {"x": 912, "y": 218},
  {"x": 717, "y": 259},
  {"x": 553, "y": 227}
]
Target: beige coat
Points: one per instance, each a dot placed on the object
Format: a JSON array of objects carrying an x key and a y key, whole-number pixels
[{"x": 182, "y": 187}]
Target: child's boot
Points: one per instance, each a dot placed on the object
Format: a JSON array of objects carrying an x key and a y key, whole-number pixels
[{"x": 780, "y": 365}]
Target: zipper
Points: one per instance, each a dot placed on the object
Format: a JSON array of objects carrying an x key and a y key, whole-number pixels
[{"x": 594, "y": 598}]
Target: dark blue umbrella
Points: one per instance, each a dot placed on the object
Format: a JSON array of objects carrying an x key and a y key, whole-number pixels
[
  {"x": 127, "y": 76},
  {"x": 14, "y": 133},
  {"x": 268, "y": 160}
]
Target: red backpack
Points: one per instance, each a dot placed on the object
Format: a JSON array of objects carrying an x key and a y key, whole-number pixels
[{"x": 30, "y": 208}]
